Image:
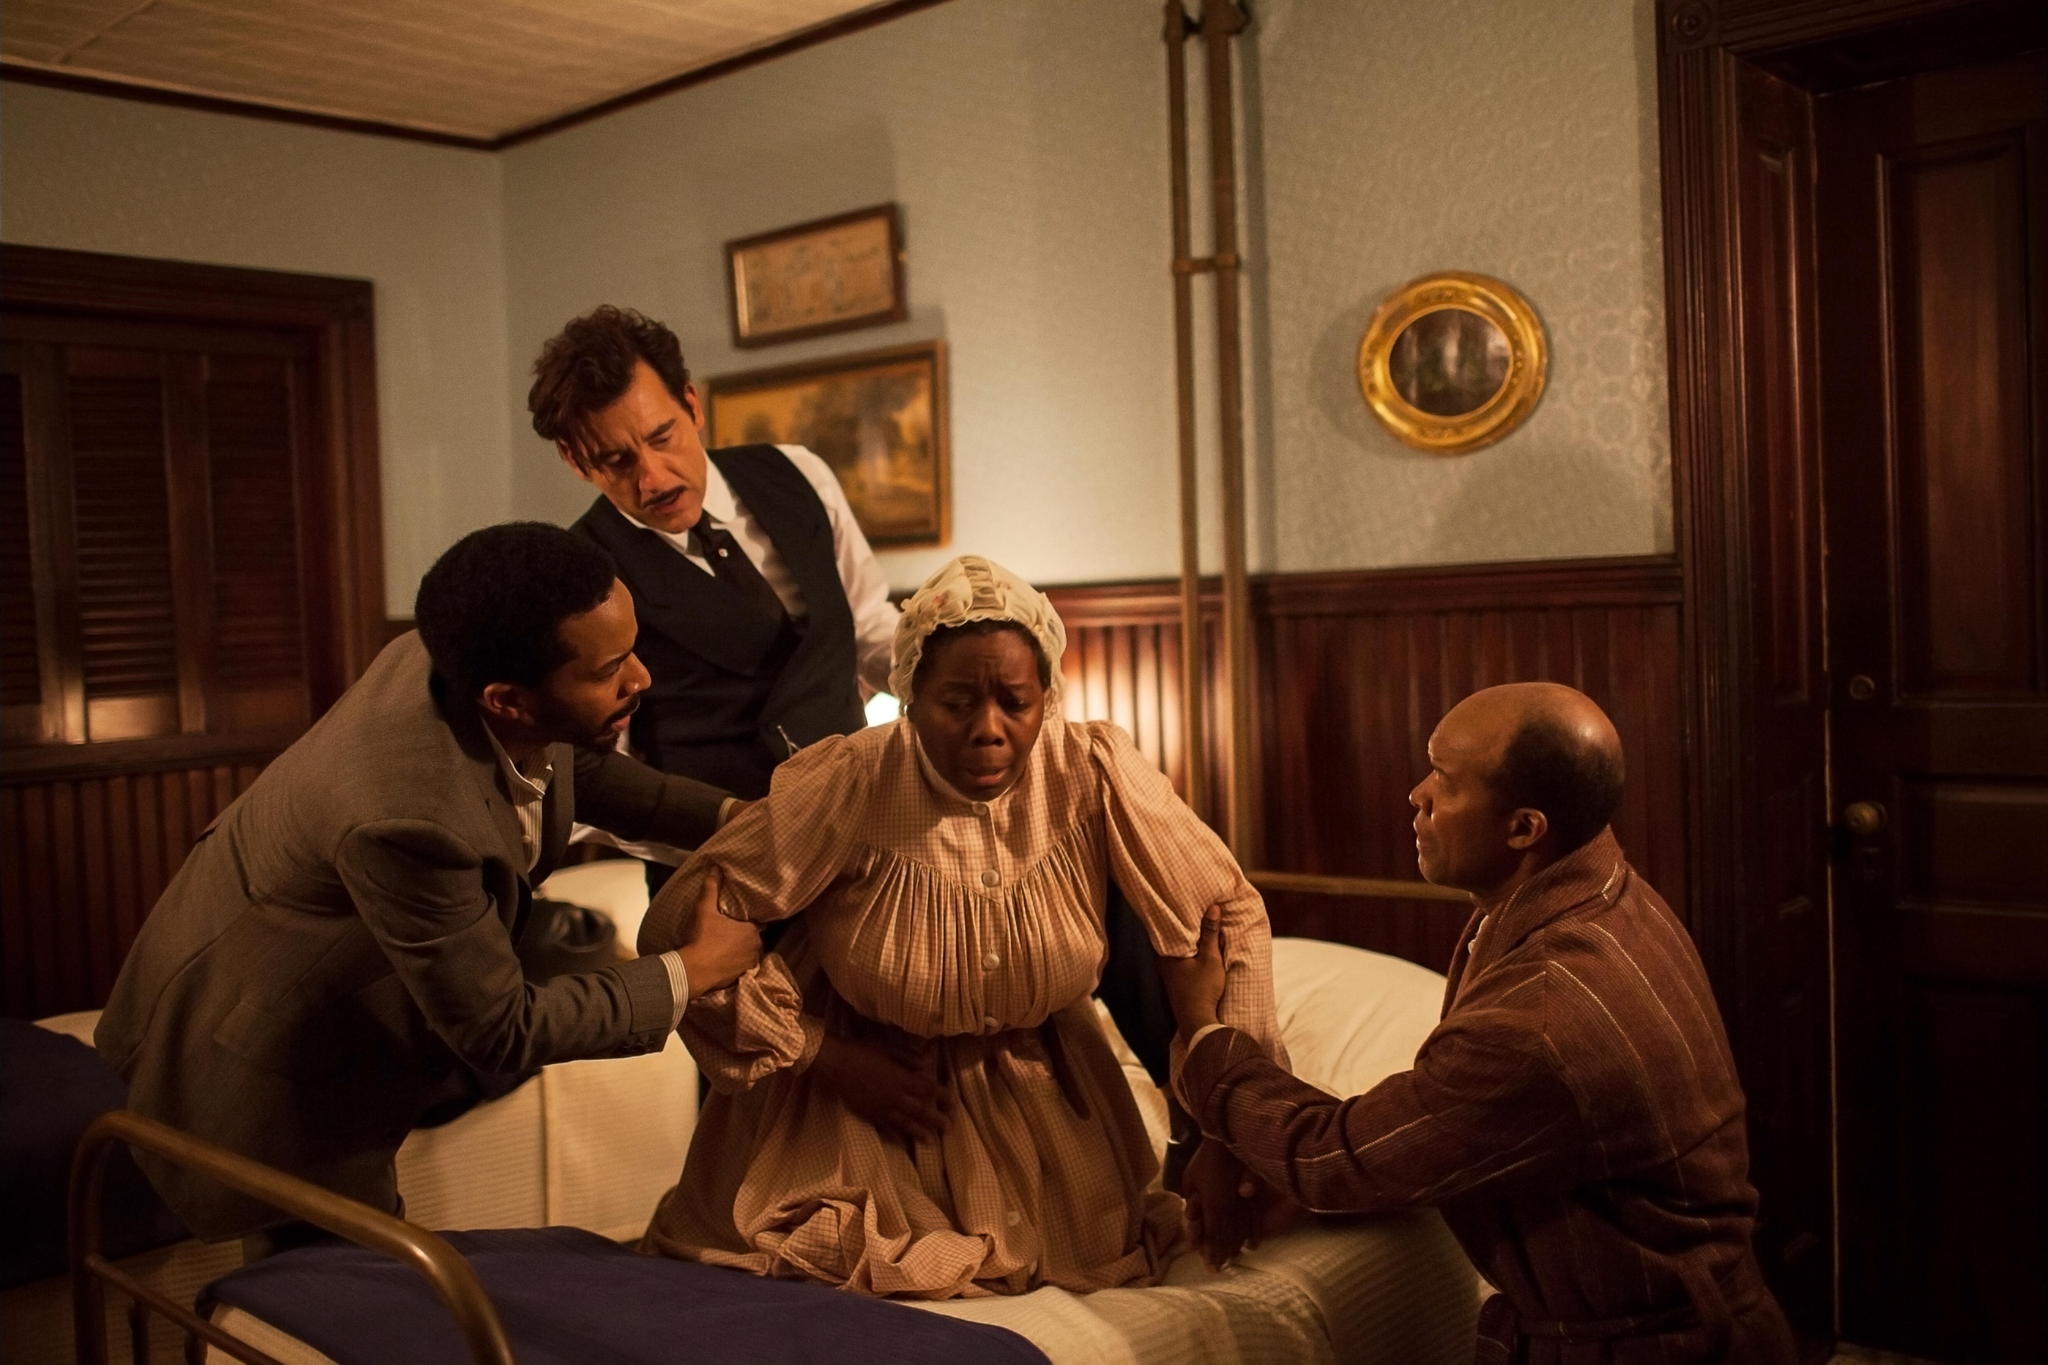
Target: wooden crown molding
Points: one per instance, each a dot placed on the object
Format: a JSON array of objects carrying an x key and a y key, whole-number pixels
[{"x": 216, "y": 104}]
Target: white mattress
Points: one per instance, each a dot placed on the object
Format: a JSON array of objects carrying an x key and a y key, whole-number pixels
[{"x": 1384, "y": 1289}]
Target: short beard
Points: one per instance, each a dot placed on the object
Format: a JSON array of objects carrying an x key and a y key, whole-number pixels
[{"x": 555, "y": 724}]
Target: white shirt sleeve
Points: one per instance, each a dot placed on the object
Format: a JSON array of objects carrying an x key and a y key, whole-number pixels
[
  {"x": 1203, "y": 1032},
  {"x": 650, "y": 850},
  {"x": 678, "y": 984},
  {"x": 867, "y": 591}
]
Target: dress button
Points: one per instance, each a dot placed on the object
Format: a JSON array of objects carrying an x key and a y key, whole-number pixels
[
  {"x": 990, "y": 1022},
  {"x": 991, "y": 959},
  {"x": 1013, "y": 1218},
  {"x": 981, "y": 808},
  {"x": 991, "y": 877}
]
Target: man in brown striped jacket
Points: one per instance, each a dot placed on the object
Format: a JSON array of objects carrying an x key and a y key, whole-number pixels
[{"x": 1575, "y": 1114}]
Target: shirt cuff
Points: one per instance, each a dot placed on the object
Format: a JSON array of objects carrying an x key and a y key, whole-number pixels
[{"x": 678, "y": 985}]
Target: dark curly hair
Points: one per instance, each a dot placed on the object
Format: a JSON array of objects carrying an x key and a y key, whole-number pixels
[
  {"x": 492, "y": 607},
  {"x": 588, "y": 365},
  {"x": 1547, "y": 767}
]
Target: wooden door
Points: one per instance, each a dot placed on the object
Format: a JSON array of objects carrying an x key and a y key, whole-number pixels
[{"x": 1931, "y": 201}]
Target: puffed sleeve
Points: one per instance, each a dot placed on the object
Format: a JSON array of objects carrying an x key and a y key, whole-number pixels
[
  {"x": 774, "y": 858},
  {"x": 1173, "y": 870}
]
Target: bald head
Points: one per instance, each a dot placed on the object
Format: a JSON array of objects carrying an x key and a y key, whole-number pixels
[{"x": 1553, "y": 749}]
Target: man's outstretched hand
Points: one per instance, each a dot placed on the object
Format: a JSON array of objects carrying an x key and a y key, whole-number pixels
[
  {"x": 1228, "y": 1208},
  {"x": 1194, "y": 985},
  {"x": 716, "y": 950}
]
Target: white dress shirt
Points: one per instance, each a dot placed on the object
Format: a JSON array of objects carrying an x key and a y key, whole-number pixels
[{"x": 867, "y": 592}]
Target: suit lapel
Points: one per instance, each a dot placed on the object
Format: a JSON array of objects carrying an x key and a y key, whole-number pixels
[
  {"x": 482, "y": 763},
  {"x": 557, "y": 811},
  {"x": 1461, "y": 960}
]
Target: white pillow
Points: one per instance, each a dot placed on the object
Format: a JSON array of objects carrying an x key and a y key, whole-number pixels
[{"x": 1351, "y": 1018}]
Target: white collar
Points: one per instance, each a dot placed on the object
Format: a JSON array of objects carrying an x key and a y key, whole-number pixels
[
  {"x": 947, "y": 789},
  {"x": 524, "y": 788}
]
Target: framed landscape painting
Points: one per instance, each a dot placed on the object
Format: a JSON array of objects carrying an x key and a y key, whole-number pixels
[{"x": 878, "y": 418}]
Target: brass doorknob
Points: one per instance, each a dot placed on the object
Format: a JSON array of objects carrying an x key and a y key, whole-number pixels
[{"x": 1863, "y": 818}]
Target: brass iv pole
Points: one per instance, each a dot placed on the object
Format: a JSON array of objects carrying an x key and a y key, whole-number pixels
[{"x": 1220, "y": 21}]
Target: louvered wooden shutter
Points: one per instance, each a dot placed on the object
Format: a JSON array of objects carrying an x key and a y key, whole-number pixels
[
  {"x": 169, "y": 482},
  {"x": 259, "y": 645},
  {"x": 115, "y": 408},
  {"x": 21, "y": 690}
]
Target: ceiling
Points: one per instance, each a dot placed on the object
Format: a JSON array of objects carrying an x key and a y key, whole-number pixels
[{"x": 482, "y": 71}]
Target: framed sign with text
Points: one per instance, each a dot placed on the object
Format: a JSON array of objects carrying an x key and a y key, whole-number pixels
[{"x": 829, "y": 275}]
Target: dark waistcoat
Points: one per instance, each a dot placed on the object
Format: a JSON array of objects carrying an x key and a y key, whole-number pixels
[{"x": 734, "y": 693}]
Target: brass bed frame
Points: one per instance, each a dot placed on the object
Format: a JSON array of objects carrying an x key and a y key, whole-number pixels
[{"x": 442, "y": 1266}]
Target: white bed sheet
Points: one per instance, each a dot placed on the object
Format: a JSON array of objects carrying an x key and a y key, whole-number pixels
[{"x": 1384, "y": 1291}]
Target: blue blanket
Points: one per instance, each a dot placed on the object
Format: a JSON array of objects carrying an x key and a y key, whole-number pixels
[
  {"x": 570, "y": 1297},
  {"x": 51, "y": 1087}
]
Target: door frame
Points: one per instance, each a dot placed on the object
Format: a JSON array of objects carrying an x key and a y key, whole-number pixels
[
  {"x": 1702, "y": 46},
  {"x": 336, "y": 314}
]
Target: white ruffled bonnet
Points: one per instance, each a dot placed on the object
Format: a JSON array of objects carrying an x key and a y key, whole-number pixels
[{"x": 971, "y": 588}]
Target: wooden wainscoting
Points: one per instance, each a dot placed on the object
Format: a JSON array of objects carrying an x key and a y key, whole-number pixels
[
  {"x": 1353, "y": 670},
  {"x": 83, "y": 856}
]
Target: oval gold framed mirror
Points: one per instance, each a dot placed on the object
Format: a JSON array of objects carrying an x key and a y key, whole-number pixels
[{"x": 1453, "y": 361}]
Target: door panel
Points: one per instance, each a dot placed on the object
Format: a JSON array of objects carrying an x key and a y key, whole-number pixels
[
  {"x": 1780, "y": 1030},
  {"x": 1930, "y": 198}
]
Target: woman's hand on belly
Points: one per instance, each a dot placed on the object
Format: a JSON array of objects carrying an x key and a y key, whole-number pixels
[{"x": 887, "y": 1090}]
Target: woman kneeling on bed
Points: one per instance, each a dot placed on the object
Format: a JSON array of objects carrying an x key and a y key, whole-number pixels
[{"x": 951, "y": 870}]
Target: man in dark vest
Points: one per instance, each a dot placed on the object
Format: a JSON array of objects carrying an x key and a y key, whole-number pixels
[{"x": 761, "y": 607}]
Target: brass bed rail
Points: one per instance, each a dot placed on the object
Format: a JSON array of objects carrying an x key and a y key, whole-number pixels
[{"x": 442, "y": 1266}]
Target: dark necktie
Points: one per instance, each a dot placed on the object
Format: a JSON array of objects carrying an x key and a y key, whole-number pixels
[{"x": 730, "y": 565}]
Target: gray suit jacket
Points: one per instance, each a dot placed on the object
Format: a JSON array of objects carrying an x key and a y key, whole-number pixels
[{"x": 340, "y": 942}]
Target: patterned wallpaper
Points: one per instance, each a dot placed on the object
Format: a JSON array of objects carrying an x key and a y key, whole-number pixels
[
  {"x": 1026, "y": 140},
  {"x": 1395, "y": 139},
  {"x": 1026, "y": 143}
]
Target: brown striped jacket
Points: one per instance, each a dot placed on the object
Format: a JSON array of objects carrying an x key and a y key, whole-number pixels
[{"x": 1575, "y": 1115}]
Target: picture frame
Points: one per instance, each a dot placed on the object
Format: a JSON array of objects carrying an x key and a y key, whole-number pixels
[
  {"x": 1453, "y": 362},
  {"x": 828, "y": 275},
  {"x": 879, "y": 419}
]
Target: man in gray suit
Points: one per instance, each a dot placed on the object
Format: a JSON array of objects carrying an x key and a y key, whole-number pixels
[{"x": 335, "y": 960}]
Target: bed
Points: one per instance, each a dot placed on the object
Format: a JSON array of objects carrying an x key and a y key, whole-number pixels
[{"x": 586, "y": 1149}]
